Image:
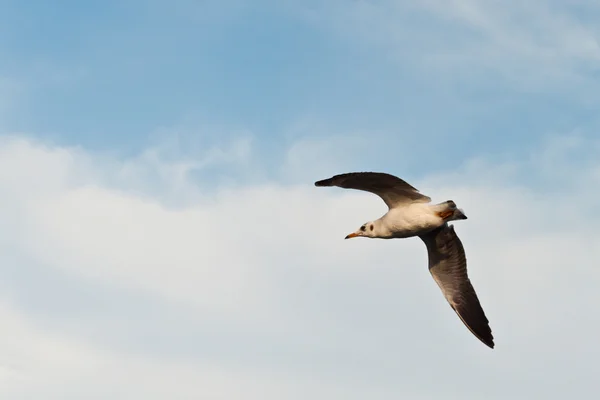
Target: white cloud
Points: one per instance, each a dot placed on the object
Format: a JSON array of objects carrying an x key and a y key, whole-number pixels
[
  {"x": 251, "y": 291},
  {"x": 537, "y": 45},
  {"x": 38, "y": 363}
]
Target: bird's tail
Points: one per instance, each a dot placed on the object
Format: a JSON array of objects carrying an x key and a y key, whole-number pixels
[{"x": 449, "y": 212}]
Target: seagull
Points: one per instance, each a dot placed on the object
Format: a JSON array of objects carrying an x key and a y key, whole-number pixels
[{"x": 409, "y": 215}]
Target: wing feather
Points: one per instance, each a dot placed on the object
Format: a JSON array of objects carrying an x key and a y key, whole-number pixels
[
  {"x": 448, "y": 267},
  {"x": 390, "y": 188}
]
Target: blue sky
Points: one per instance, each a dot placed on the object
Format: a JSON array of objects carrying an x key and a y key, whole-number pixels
[
  {"x": 120, "y": 75},
  {"x": 160, "y": 223}
]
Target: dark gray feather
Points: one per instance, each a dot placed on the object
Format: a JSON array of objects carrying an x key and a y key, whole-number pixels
[
  {"x": 390, "y": 188},
  {"x": 448, "y": 266}
]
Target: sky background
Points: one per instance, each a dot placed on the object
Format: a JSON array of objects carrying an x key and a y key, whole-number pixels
[{"x": 161, "y": 236}]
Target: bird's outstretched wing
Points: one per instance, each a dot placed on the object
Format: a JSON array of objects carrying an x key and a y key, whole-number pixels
[
  {"x": 390, "y": 188},
  {"x": 448, "y": 266}
]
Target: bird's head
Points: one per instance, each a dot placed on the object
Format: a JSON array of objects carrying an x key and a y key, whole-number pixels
[{"x": 367, "y": 230}]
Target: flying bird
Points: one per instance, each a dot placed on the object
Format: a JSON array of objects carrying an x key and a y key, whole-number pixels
[{"x": 411, "y": 214}]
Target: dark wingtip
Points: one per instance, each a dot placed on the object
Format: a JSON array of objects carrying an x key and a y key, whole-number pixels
[
  {"x": 324, "y": 182},
  {"x": 487, "y": 339},
  {"x": 488, "y": 342},
  {"x": 480, "y": 329}
]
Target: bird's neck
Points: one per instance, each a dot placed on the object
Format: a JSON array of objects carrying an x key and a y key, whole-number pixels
[{"x": 382, "y": 229}]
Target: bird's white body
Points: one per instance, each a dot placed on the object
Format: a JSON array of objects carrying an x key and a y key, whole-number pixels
[{"x": 414, "y": 219}]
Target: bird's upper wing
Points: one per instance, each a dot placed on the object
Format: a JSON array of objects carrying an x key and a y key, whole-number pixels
[
  {"x": 448, "y": 266},
  {"x": 390, "y": 188}
]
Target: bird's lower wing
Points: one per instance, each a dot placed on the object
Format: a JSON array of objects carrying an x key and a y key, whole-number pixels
[
  {"x": 448, "y": 266},
  {"x": 390, "y": 188}
]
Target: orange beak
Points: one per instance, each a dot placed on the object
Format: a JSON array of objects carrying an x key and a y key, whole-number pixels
[{"x": 352, "y": 235}]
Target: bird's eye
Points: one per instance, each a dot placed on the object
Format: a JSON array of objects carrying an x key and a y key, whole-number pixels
[
  {"x": 362, "y": 228},
  {"x": 371, "y": 227}
]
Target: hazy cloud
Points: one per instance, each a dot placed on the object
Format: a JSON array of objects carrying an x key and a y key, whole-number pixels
[
  {"x": 539, "y": 45},
  {"x": 252, "y": 291}
]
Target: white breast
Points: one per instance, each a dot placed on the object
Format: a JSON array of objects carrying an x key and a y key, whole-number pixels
[{"x": 411, "y": 220}]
